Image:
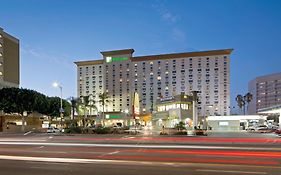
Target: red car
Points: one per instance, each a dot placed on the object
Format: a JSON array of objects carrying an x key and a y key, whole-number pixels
[{"x": 278, "y": 132}]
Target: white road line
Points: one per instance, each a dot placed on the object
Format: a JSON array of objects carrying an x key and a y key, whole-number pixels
[
  {"x": 230, "y": 171},
  {"x": 135, "y": 146},
  {"x": 115, "y": 152},
  {"x": 21, "y": 140},
  {"x": 27, "y": 133},
  {"x": 128, "y": 162}
]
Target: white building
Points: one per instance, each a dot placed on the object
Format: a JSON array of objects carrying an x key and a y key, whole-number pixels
[{"x": 120, "y": 74}]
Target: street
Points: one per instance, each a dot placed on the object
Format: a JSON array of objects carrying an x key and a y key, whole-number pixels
[{"x": 139, "y": 154}]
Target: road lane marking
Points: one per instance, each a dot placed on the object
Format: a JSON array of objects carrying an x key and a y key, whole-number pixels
[
  {"x": 124, "y": 162},
  {"x": 134, "y": 146},
  {"x": 46, "y": 160},
  {"x": 22, "y": 140},
  {"x": 230, "y": 171},
  {"x": 115, "y": 152},
  {"x": 27, "y": 133}
]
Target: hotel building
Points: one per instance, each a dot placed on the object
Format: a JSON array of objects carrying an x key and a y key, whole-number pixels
[
  {"x": 266, "y": 92},
  {"x": 9, "y": 60},
  {"x": 120, "y": 74}
]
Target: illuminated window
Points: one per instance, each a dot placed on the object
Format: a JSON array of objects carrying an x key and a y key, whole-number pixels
[
  {"x": 0, "y": 54},
  {"x": 1, "y": 73},
  {"x": 0, "y": 45},
  {"x": 166, "y": 72},
  {"x": 159, "y": 78},
  {"x": 0, "y": 36},
  {"x": 151, "y": 62}
]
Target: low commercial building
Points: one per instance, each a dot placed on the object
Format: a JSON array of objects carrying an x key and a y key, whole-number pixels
[
  {"x": 171, "y": 110},
  {"x": 234, "y": 122}
]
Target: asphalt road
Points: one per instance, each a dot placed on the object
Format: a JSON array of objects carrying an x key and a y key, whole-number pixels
[{"x": 120, "y": 154}]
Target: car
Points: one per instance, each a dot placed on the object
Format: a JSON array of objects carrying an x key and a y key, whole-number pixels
[
  {"x": 53, "y": 130},
  {"x": 200, "y": 132},
  {"x": 263, "y": 129},
  {"x": 251, "y": 129},
  {"x": 278, "y": 132}
]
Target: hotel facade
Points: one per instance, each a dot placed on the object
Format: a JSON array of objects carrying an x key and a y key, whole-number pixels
[
  {"x": 9, "y": 60},
  {"x": 154, "y": 77}
]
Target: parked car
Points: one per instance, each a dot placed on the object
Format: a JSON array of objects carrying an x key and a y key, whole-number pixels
[
  {"x": 251, "y": 128},
  {"x": 200, "y": 132},
  {"x": 53, "y": 130},
  {"x": 278, "y": 132}
]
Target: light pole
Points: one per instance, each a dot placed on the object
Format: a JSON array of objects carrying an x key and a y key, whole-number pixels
[
  {"x": 55, "y": 84},
  {"x": 205, "y": 126}
]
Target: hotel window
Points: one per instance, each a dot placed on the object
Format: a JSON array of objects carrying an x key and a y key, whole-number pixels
[
  {"x": 0, "y": 45},
  {"x": 1, "y": 73}
]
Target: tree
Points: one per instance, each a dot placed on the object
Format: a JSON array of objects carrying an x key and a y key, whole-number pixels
[
  {"x": 74, "y": 105},
  {"x": 243, "y": 100},
  {"x": 248, "y": 98},
  {"x": 103, "y": 99},
  {"x": 19, "y": 100}
]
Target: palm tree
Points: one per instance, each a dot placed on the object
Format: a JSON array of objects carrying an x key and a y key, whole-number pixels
[
  {"x": 84, "y": 102},
  {"x": 104, "y": 99},
  {"x": 74, "y": 105},
  {"x": 243, "y": 100},
  {"x": 248, "y": 98},
  {"x": 240, "y": 102},
  {"x": 91, "y": 103}
]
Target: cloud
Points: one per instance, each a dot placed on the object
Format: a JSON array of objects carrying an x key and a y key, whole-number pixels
[
  {"x": 169, "y": 17},
  {"x": 54, "y": 59},
  {"x": 165, "y": 13}
]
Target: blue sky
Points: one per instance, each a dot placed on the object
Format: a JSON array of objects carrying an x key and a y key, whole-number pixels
[{"x": 55, "y": 33}]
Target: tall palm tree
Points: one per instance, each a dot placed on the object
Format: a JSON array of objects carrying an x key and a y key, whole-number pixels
[
  {"x": 91, "y": 103},
  {"x": 248, "y": 98},
  {"x": 240, "y": 102},
  {"x": 103, "y": 100},
  {"x": 74, "y": 105},
  {"x": 243, "y": 100}
]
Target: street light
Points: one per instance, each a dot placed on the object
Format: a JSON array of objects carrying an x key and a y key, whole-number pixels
[
  {"x": 55, "y": 84},
  {"x": 205, "y": 126}
]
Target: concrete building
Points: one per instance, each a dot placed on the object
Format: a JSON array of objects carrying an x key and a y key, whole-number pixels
[
  {"x": 120, "y": 74},
  {"x": 9, "y": 60},
  {"x": 266, "y": 92},
  {"x": 235, "y": 122}
]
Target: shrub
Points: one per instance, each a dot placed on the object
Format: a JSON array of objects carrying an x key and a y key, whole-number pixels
[
  {"x": 73, "y": 130},
  {"x": 102, "y": 130}
]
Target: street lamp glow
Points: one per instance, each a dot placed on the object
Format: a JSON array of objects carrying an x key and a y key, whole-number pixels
[{"x": 55, "y": 84}]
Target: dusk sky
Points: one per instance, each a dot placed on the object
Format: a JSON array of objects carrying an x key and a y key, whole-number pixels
[{"x": 55, "y": 33}]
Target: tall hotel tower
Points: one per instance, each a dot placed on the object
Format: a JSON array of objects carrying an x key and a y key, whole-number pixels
[{"x": 121, "y": 74}]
